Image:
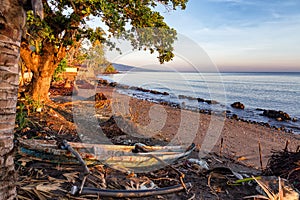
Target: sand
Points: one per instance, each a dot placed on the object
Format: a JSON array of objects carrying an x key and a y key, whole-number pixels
[{"x": 182, "y": 127}]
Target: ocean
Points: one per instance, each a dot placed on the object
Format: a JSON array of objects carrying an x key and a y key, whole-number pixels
[{"x": 257, "y": 91}]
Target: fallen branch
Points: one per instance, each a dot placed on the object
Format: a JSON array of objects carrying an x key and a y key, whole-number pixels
[{"x": 127, "y": 193}]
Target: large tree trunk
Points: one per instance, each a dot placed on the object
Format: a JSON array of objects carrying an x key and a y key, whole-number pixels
[
  {"x": 42, "y": 66},
  {"x": 12, "y": 19},
  {"x": 40, "y": 87},
  {"x": 41, "y": 79}
]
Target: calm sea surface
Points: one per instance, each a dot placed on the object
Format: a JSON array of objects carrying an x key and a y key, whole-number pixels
[{"x": 276, "y": 91}]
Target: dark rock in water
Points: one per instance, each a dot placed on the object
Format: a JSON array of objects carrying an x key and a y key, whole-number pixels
[
  {"x": 154, "y": 92},
  {"x": 211, "y": 101},
  {"x": 113, "y": 84},
  {"x": 278, "y": 115},
  {"x": 103, "y": 82},
  {"x": 151, "y": 91},
  {"x": 181, "y": 96},
  {"x": 295, "y": 119},
  {"x": 158, "y": 92},
  {"x": 125, "y": 87},
  {"x": 186, "y": 97},
  {"x": 238, "y": 105},
  {"x": 143, "y": 89},
  {"x": 234, "y": 116},
  {"x": 200, "y": 100}
]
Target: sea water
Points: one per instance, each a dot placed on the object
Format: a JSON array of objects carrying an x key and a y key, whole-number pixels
[{"x": 269, "y": 91}]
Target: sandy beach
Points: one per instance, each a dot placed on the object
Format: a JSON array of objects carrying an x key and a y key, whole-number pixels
[
  {"x": 113, "y": 118},
  {"x": 182, "y": 127}
]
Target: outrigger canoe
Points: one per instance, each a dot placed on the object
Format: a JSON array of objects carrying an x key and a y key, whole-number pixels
[{"x": 137, "y": 158}]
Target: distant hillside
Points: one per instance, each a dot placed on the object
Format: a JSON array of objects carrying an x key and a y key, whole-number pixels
[
  {"x": 125, "y": 68},
  {"x": 155, "y": 68},
  {"x": 121, "y": 67}
]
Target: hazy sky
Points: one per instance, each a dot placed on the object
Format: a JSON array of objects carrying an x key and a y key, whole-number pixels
[{"x": 240, "y": 35}]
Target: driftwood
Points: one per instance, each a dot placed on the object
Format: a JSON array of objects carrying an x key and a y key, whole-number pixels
[
  {"x": 128, "y": 193},
  {"x": 120, "y": 157}
]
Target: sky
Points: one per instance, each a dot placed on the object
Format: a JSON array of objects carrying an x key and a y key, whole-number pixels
[{"x": 235, "y": 35}]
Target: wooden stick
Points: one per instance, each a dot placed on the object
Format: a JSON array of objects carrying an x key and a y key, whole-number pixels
[
  {"x": 221, "y": 147},
  {"x": 77, "y": 155},
  {"x": 260, "y": 155},
  {"x": 131, "y": 193},
  {"x": 286, "y": 145},
  {"x": 82, "y": 183},
  {"x": 60, "y": 129}
]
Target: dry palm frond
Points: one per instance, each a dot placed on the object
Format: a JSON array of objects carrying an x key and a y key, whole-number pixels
[
  {"x": 284, "y": 193},
  {"x": 71, "y": 177}
]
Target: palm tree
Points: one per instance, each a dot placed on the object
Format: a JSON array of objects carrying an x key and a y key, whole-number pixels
[{"x": 12, "y": 20}]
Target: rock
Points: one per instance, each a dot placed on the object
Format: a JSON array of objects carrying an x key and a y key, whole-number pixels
[
  {"x": 238, "y": 105},
  {"x": 102, "y": 82},
  {"x": 211, "y": 101},
  {"x": 158, "y": 92},
  {"x": 276, "y": 115},
  {"x": 120, "y": 86},
  {"x": 187, "y": 97},
  {"x": 113, "y": 84},
  {"x": 295, "y": 119},
  {"x": 234, "y": 116},
  {"x": 200, "y": 100},
  {"x": 279, "y": 119}
]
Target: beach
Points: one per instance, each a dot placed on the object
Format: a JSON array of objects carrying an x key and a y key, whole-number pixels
[
  {"x": 178, "y": 126},
  {"x": 229, "y": 148}
]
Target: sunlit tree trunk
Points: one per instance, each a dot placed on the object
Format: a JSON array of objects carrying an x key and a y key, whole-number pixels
[
  {"x": 42, "y": 66},
  {"x": 12, "y": 19}
]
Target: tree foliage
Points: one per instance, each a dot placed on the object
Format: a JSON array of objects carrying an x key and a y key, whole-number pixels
[
  {"x": 65, "y": 24},
  {"x": 60, "y": 69},
  {"x": 110, "y": 69}
]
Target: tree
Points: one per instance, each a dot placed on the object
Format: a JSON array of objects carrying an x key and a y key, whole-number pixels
[
  {"x": 12, "y": 20},
  {"x": 65, "y": 24},
  {"x": 95, "y": 57},
  {"x": 110, "y": 69}
]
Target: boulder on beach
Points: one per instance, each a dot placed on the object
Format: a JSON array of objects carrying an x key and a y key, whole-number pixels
[
  {"x": 278, "y": 115},
  {"x": 103, "y": 82},
  {"x": 238, "y": 105}
]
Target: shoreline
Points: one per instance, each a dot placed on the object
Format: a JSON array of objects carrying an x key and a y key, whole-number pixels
[
  {"x": 240, "y": 139},
  {"x": 208, "y": 106}
]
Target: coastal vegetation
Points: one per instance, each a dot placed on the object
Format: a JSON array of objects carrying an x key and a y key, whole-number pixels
[{"x": 65, "y": 26}]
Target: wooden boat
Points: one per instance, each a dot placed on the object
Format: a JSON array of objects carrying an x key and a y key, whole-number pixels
[{"x": 137, "y": 158}]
